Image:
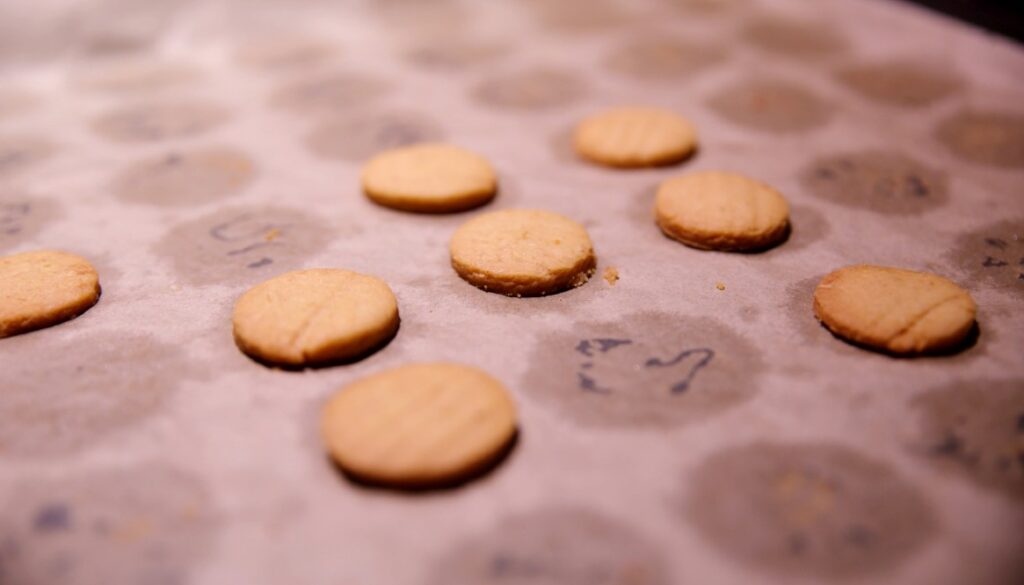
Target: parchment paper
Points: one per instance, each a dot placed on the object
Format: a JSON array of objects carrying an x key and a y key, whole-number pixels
[{"x": 691, "y": 423}]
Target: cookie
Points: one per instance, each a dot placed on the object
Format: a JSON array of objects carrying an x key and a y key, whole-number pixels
[
  {"x": 714, "y": 210},
  {"x": 894, "y": 310},
  {"x": 523, "y": 252},
  {"x": 631, "y": 137},
  {"x": 429, "y": 178},
  {"x": 39, "y": 289},
  {"x": 314, "y": 317},
  {"x": 419, "y": 425}
]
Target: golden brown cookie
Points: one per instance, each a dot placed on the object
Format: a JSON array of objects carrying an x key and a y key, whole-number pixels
[
  {"x": 632, "y": 137},
  {"x": 419, "y": 425},
  {"x": 895, "y": 310},
  {"x": 523, "y": 252},
  {"x": 39, "y": 289},
  {"x": 714, "y": 210},
  {"x": 429, "y": 178},
  {"x": 313, "y": 317}
]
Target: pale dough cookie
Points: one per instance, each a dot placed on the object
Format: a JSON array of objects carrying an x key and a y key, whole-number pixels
[
  {"x": 39, "y": 289},
  {"x": 429, "y": 178},
  {"x": 896, "y": 310},
  {"x": 419, "y": 425},
  {"x": 635, "y": 137},
  {"x": 523, "y": 252},
  {"x": 312, "y": 317},
  {"x": 714, "y": 210}
]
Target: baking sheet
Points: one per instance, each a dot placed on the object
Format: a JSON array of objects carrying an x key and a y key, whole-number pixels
[{"x": 193, "y": 149}]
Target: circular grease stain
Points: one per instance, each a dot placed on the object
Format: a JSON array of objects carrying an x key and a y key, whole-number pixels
[
  {"x": 578, "y": 16},
  {"x": 706, "y": 7},
  {"x": 185, "y": 178},
  {"x": 771, "y": 105},
  {"x": 358, "y": 137},
  {"x": 61, "y": 397},
  {"x": 16, "y": 101},
  {"x": 903, "y": 84},
  {"x": 536, "y": 88},
  {"x": 794, "y": 38},
  {"x": 19, "y": 153},
  {"x": 117, "y": 27},
  {"x": 990, "y": 138},
  {"x": 148, "y": 523},
  {"x": 808, "y": 226},
  {"x": 993, "y": 255},
  {"x": 975, "y": 429},
  {"x": 644, "y": 370},
  {"x": 241, "y": 245},
  {"x": 138, "y": 77},
  {"x": 662, "y": 58},
  {"x": 750, "y": 314},
  {"x": 882, "y": 181},
  {"x": 437, "y": 19},
  {"x": 328, "y": 94},
  {"x": 159, "y": 121},
  {"x": 22, "y": 216},
  {"x": 284, "y": 54},
  {"x": 811, "y": 510},
  {"x": 455, "y": 55},
  {"x": 91, "y": 40},
  {"x": 555, "y": 546}
]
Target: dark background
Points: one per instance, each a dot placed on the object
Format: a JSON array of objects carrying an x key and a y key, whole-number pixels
[{"x": 1001, "y": 16}]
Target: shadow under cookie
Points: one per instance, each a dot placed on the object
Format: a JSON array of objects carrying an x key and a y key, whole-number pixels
[
  {"x": 486, "y": 469},
  {"x": 325, "y": 364}
]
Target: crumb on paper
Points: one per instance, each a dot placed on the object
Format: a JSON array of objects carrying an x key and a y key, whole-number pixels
[
  {"x": 720, "y": 285},
  {"x": 272, "y": 235},
  {"x": 611, "y": 274}
]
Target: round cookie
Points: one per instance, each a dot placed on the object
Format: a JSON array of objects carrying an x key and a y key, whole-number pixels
[
  {"x": 39, "y": 289},
  {"x": 419, "y": 425},
  {"x": 523, "y": 252},
  {"x": 312, "y": 317},
  {"x": 894, "y": 310},
  {"x": 715, "y": 210},
  {"x": 429, "y": 178},
  {"x": 632, "y": 137}
]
